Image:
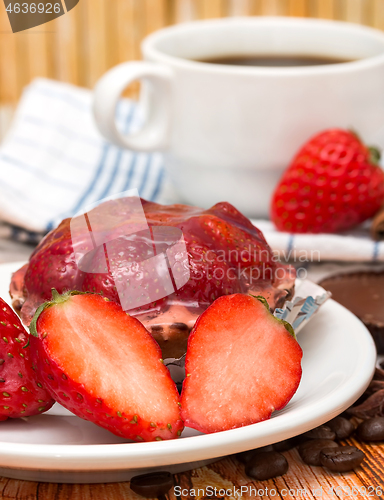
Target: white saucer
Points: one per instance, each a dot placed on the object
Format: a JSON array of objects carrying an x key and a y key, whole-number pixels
[{"x": 338, "y": 363}]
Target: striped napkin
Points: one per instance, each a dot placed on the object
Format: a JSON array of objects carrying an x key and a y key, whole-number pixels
[
  {"x": 54, "y": 163},
  {"x": 351, "y": 246}
]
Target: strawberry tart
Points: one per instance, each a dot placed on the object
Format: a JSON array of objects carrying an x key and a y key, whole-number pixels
[{"x": 226, "y": 253}]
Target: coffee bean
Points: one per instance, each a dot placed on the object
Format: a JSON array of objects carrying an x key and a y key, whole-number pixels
[
  {"x": 266, "y": 465},
  {"x": 152, "y": 485},
  {"x": 321, "y": 432},
  {"x": 287, "y": 444},
  {"x": 246, "y": 456},
  {"x": 341, "y": 426},
  {"x": 371, "y": 429},
  {"x": 342, "y": 458},
  {"x": 310, "y": 450}
]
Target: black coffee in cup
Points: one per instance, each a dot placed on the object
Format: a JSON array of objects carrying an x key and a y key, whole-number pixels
[{"x": 274, "y": 60}]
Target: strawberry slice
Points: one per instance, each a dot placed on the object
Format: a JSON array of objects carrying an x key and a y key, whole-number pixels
[
  {"x": 103, "y": 365},
  {"x": 242, "y": 364},
  {"x": 21, "y": 391}
]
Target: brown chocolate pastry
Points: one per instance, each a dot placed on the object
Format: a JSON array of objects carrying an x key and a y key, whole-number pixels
[
  {"x": 170, "y": 328},
  {"x": 17, "y": 289},
  {"x": 363, "y": 294},
  {"x": 172, "y": 339}
]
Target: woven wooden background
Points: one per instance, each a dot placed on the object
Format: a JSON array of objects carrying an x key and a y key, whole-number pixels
[{"x": 97, "y": 34}]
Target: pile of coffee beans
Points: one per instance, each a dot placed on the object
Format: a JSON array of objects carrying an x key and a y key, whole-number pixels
[{"x": 317, "y": 447}]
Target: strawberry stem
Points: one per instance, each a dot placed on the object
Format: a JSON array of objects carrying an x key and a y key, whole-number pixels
[
  {"x": 32, "y": 326},
  {"x": 287, "y": 325},
  {"x": 261, "y": 299},
  {"x": 375, "y": 155},
  {"x": 56, "y": 299},
  {"x": 55, "y": 295}
]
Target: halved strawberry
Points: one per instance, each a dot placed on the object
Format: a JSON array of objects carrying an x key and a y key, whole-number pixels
[
  {"x": 105, "y": 367},
  {"x": 242, "y": 364}
]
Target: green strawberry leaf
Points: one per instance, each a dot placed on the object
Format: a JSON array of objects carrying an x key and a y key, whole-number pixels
[
  {"x": 374, "y": 155},
  {"x": 287, "y": 325},
  {"x": 56, "y": 299}
]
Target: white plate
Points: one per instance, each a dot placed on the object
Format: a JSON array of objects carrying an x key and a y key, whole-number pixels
[{"x": 338, "y": 363}]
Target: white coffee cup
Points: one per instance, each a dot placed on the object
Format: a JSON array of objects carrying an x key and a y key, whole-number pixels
[{"x": 228, "y": 132}]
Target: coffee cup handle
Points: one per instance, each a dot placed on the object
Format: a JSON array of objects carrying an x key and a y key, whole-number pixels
[{"x": 155, "y": 132}]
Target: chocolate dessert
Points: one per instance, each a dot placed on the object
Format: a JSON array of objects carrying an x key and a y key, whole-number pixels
[{"x": 363, "y": 294}]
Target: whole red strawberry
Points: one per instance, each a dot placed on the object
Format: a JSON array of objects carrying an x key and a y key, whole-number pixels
[
  {"x": 332, "y": 184},
  {"x": 21, "y": 391}
]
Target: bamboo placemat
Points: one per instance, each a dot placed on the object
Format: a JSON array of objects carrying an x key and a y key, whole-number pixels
[{"x": 98, "y": 34}]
